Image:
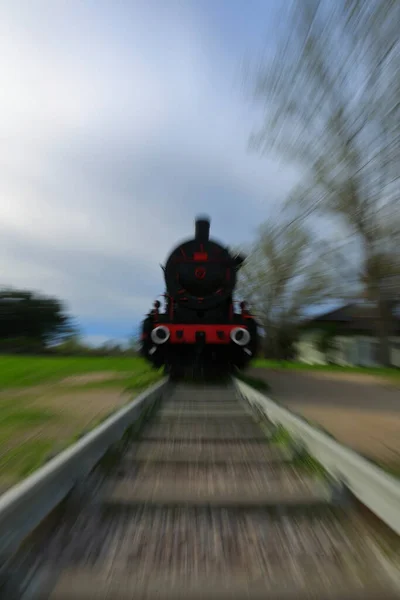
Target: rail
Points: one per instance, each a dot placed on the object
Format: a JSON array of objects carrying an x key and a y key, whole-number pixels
[
  {"x": 373, "y": 487},
  {"x": 24, "y": 506}
]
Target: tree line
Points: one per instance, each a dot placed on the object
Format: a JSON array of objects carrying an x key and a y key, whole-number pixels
[
  {"x": 32, "y": 323},
  {"x": 330, "y": 100}
]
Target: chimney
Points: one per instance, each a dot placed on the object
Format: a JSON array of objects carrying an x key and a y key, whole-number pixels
[{"x": 202, "y": 229}]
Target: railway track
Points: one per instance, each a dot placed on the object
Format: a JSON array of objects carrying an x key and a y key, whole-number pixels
[{"x": 204, "y": 504}]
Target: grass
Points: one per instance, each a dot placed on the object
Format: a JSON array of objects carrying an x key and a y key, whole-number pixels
[
  {"x": 23, "y": 417},
  {"x": 255, "y": 382},
  {"x": 298, "y": 366},
  {"x": 21, "y": 371},
  {"x": 25, "y": 458},
  {"x": 262, "y": 386},
  {"x": 302, "y": 459},
  {"x": 281, "y": 437},
  {"x": 392, "y": 469},
  {"x": 389, "y": 374},
  {"x": 38, "y": 422}
]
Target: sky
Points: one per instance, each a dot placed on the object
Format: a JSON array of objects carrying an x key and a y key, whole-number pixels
[{"x": 120, "y": 121}]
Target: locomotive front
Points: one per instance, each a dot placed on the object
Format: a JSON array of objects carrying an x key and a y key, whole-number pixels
[{"x": 199, "y": 326}]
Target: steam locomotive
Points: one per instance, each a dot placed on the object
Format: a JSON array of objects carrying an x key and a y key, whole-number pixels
[{"x": 199, "y": 330}]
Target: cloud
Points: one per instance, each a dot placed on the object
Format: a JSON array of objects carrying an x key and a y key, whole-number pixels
[{"x": 120, "y": 122}]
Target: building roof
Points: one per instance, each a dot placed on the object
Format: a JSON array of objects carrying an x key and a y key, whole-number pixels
[{"x": 355, "y": 316}]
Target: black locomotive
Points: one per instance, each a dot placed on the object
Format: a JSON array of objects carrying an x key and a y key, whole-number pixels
[{"x": 199, "y": 328}]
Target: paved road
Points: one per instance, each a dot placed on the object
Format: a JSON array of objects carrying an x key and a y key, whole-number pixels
[{"x": 329, "y": 389}]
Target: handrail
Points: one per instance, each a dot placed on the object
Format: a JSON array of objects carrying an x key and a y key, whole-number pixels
[{"x": 375, "y": 488}]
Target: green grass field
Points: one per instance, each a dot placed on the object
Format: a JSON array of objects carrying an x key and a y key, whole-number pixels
[
  {"x": 46, "y": 403},
  {"x": 21, "y": 371}
]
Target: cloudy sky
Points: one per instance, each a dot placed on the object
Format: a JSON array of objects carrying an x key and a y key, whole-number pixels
[{"x": 120, "y": 120}]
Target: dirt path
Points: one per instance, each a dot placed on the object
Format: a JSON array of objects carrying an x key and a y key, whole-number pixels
[
  {"x": 361, "y": 411},
  {"x": 347, "y": 390}
]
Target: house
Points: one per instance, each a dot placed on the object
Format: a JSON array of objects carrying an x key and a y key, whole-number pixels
[{"x": 346, "y": 336}]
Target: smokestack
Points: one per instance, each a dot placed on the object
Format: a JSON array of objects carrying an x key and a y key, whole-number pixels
[{"x": 202, "y": 228}]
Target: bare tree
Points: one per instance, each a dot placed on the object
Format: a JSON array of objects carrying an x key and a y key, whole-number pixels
[
  {"x": 331, "y": 96},
  {"x": 283, "y": 275}
]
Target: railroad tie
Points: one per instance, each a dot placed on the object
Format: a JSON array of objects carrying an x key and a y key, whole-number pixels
[{"x": 206, "y": 504}]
